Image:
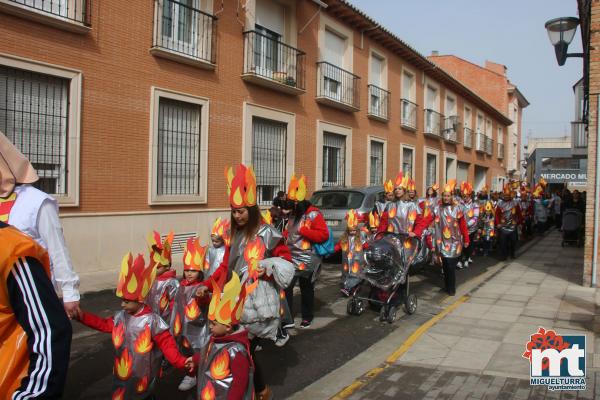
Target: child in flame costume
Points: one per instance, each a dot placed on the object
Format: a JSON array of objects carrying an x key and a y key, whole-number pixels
[
  {"x": 219, "y": 236},
  {"x": 162, "y": 292},
  {"x": 470, "y": 209},
  {"x": 540, "y": 211},
  {"x": 487, "y": 227},
  {"x": 225, "y": 368},
  {"x": 451, "y": 235},
  {"x": 352, "y": 244},
  {"x": 388, "y": 195},
  {"x": 138, "y": 334},
  {"x": 374, "y": 220},
  {"x": 188, "y": 321},
  {"x": 508, "y": 218}
]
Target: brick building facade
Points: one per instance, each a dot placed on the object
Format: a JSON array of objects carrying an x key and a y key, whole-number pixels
[
  {"x": 144, "y": 103},
  {"x": 492, "y": 83}
]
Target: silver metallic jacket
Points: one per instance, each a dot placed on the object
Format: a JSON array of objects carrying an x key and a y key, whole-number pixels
[
  {"x": 269, "y": 236},
  {"x": 380, "y": 207},
  {"x": 448, "y": 238},
  {"x": 214, "y": 375},
  {"x": 304, "y": 257},
  {"x": 487, "y": 226},
  {"x": 509, "y": 214},
  {"x": 471, "y": 215},
  {"x": 402, "y": 216},
  {"x": 215, "y": 257},
  {"x": 137, "y": 358},
  {"x": 160, "y": 296},
  {"x": 189, "y": 323}
]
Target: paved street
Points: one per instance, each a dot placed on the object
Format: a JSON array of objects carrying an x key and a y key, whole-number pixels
[{"x": 334, "y": 339}]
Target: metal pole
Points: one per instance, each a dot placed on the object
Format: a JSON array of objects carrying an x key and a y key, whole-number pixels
[{"x": 596, "y": 205}]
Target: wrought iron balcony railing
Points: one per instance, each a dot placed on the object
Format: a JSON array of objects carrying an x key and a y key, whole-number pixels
[
  {"x": 185, "y": 31},
  {"x": 77, "y": 11},
  {"x": 451, "y": 125},
  {"x": 379, "y": 103},
  {"x": 337, "y": 87},
  {"x": 273, "y": 60},
  {"x": 433, "y": 121},
  {"x": 408, "y": 114},
  {"x": 489, "y": 145},
  {"x": 480, "y": 142},
  {"x": 468, "y": 138},
  {"x": 579, "y": 137}
]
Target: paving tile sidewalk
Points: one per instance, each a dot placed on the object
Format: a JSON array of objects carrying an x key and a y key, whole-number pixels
[{"x": 475, "y": 352}]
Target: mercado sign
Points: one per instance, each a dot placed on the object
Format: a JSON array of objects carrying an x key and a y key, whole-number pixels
[{"x": 565, "y": 176}]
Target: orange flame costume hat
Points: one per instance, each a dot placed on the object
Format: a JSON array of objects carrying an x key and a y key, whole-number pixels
[
  {"x": 160, "y": 251},
  {"x": 411, "y": 187},
  {"x": 466, "y": 188},
  {"x": 297, "y": 188},
  {"x": 538, "y": 191},
  {"x": 388, "y": 186},
  {"x": 507, "y": 190},
  {"x": 352, "y": 219},
  {"x": 135, "y": 279},
  {"x": 449, "y": 186},
  {"x": 373, "y": 220},
  {"x": 241, "y": 186},
  {"x": 435, "y": 187},
  {"x": 267, "y": 217},
  {"x": 543, "y": 182},
  {"x": 194, "y": 256},
  {"x": 227, "y": 302},
  {"x": 221, "y": 228},
  {"x": 401, "y": 181}
]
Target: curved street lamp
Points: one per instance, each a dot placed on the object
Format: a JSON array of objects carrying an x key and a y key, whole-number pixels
[{"x": 561, "y": 32}]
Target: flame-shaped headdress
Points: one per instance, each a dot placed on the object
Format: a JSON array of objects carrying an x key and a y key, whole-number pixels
[
  {"x": 450, "y": 185},
  {"x": 465, "y": 188},
  {"x": 485, "y": 189},
  {"x": 227, "y": 302},
  {"x": 160, "y": 252},
  {"x": 401, "y": 181},
  {"x": 194, "y": 256},
  {"x": 221, "y": 228},
  {"x": 267, "y": 217},
  {"x": 543, "y": 182},
  {"x": 538, "y": 191},
  {"x": 435, "y": 187},
  {"x": 411, "y": 186},
  {"x": 297, "y": 188},
  {"x": 373, "y": 220},
  {"x": 388, "y": 186},
  {"x": 241, "y": 186},
  {"x": 489, "y": 207},
  {"x": 135, "y": 279},
  {"x": 507, "y": 190},
  {"x": 352, "y": 219}
]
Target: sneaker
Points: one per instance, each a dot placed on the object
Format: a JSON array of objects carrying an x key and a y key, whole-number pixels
[
  {"x": 282, "y": 340},
  {"x": 305, "y": 324},
  {"x": 258, "y": 348},
  {"x": 290, "y": 325},
  {"x": 187, "y": 383},
  {"x": 466, "y": 264},
  {"x": 459, "y": 265},
  {"x": 470, "y": 260}
]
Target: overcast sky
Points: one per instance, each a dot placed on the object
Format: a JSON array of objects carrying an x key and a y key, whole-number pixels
[{"x": 509, "y": 32}]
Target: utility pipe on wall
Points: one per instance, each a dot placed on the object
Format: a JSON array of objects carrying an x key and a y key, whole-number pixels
[{"x": 596, "y": 202}]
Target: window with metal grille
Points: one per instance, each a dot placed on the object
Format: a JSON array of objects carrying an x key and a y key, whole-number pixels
[
  {"x": 376, "y": 175},
  {"x": 407, "y": 161},
  {"x": 178, "y": 166},
  {"x": 34, "y": 117},
  {"x": 269, "y": 143},
  {"x": 431, "y": 173},
  {"x": 334, "y": 159}
]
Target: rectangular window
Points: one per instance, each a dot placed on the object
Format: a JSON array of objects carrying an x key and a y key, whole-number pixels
[
  {"x": 178, "y": 157},
  {"x": 376, "y": 71},
  {"x": 269, "y": 144},
  {"x": 408, "y": 82},
  {"x": 479, "y": 127},
  {"x": 34, "y": 114},
  {"x": 450, "y": 106},
  {"x": 467, "y": 119},
  {"x": 266, "y": 56},
  {"x": 431, "y": 173},
  {"x": 407, "y": 161},
  {"x": 500, "y": 135},
  {"x": 334, "y": 159},
  {"x": 335, "y": 47},
  {"x": 376, "y": 163},
  {"x": 431, "y": 101}
]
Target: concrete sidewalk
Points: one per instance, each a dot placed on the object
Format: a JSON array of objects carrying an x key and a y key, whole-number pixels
[{"x": 476, "y": 351}]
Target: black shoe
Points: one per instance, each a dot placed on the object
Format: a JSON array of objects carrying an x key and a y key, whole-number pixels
[
  {"x": 451, "y": 292},
  {"x": 305, "y": 323}
]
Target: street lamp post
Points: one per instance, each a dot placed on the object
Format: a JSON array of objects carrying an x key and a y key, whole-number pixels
[{"x": 561, "y": 32}]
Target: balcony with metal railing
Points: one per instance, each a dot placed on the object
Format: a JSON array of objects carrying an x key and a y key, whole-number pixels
[
  {"x": 450, "y": 132},
  {"x": 480, "y": 142},
  {"x": 184, "y": 34},
  {"x": 271, "y": 63},
  {"x": 379, "y": 103},
  {"x": 489, "y": 146},
  {"x": 468, "y": 138},
  {"x": 408, "y": 114},
  {"x": 433, "y": 122},
  {"x": 579, "y": 139},
  {"x": 337, "y": 87},
  {"x": 70, "y": 15},
  {"x": 501, "y": 150}
]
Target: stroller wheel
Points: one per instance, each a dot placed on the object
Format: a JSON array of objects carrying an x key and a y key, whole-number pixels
[
  {"x": 392, "y": 313},
  {"x": 359, "y": 306},
  {"x": 351, "y": 306},
  {"x": 410, "y": 304},
  {"x": 383, "y": 313}
]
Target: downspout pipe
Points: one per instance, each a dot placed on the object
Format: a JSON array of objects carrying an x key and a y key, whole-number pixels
[{"x": 596, "y": 202}]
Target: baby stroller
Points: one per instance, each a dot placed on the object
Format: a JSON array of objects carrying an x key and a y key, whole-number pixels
[
  {"x": 572, "y": 227},
  {"x": 386, "y": 271}
]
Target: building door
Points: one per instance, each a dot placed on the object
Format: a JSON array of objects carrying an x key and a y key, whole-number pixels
[
  {"x": 480, "y": 178},
  {"x": 462, "y": 172}
]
